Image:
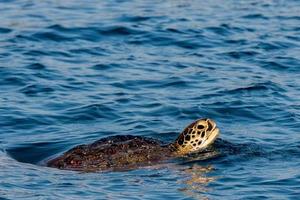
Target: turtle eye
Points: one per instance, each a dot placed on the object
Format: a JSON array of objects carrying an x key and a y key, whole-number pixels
[{"x": 200, "y": 126}]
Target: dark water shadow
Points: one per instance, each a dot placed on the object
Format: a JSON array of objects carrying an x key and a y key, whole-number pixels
[{"x": 35, "y": 152}]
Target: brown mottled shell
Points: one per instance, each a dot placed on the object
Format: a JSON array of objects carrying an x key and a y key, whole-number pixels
[{"x": 113, "y": 153}]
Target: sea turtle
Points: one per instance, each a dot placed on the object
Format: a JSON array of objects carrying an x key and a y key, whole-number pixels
[{"x": 124, "y": 152}]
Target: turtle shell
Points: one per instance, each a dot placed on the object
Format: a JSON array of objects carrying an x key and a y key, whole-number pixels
[{"x": 121, "y": 152}]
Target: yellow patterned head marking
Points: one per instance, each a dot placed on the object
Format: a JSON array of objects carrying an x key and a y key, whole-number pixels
[{"x": 197, "y": 136}]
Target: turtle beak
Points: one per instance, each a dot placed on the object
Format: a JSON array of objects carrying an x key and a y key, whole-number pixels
[
  {"x": 211, "y": 125},
  {"x": 213, "y": 132}
]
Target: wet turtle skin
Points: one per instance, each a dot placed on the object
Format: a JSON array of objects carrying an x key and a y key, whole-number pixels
[{"x": 119, "y": 152}]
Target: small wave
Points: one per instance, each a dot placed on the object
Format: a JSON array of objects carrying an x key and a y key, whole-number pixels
[
  {"x": 72, "y": 30},
  {"x": 5, "y": 30},
  {"x": 282, "y": 17},
  {"x": 25, "y": 122},
  {"x": 130, "y": 18},
  {"x": 36, "y": 66},
  {"x": 252, "y": 88},
  {"x": 106, "y": 66},
  {"x": 276, "y": 65},
  {"x": 237, "y": 41},
  {"x": 36, "y": 89},
  {"x": 220, "y": 30},
  {"x": 89, "y": 33},
  {"x": 52, "y": 36},
  {"x": 257, "y": 87},
  {"x": 36, "y": 53},
  {"x": 119, "y": 31},
  {"x": 14, "y": 81},
  {"x": 267, "y": 46},
  {"x": 177, "y": 84},
  {"x": 257, "y": 16},
  {"x": 163, "y": 111},
  {"x": 83, "y": 32},
  {"x": 89, "y": 112},
  {"x": 240, "y": 54}
]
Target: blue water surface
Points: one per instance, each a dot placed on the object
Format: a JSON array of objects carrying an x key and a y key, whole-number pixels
[{"x": 72, "y": 72}]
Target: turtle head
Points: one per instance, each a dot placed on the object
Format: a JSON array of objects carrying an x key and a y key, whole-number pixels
[{"x": 196, "y": 137}]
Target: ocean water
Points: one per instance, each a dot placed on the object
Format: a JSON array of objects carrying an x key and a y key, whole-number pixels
[{"x": 72, "y": 72}]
